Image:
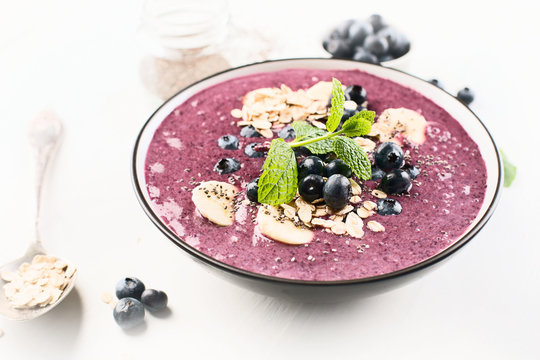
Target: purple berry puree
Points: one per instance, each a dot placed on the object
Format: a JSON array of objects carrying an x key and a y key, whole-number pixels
[{"x": 444, "y": 199}]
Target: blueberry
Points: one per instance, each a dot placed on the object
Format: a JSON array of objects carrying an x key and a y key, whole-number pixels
[
  {"x": 389, "y": 156},
  {"x": 302, "y": 151},
  {"x": 337, "y": 191},
  {"x": 377, "y": 21},
  {"x": 347, "y": 113},
  {"x": 412, "y": 170},
  {"x": 154, "y": 300},
  {"x": 310, "y": 165},
  {"x": 386, "y": 57},
  {"x": 388, "y": 207},
  {"x": 377, "y": 45},
  {"x": 287, "y": 133},
  {"x": 376, "y": 173},
  {"x": 310, "y": 188},
  {"x": 400, "y": 47},
  {"x": 363, "y": 55},
  {"x": 465, "y": 95},
  {"x": 227, "y": 166},
  {"x": 342, "y": 30},
  {"x": 358, "y": 31},
  {"x": 436, "y": 82},
  {"x": 129, "y": 287},
  {"x": 249, "y": 131},
  {"x": 128, "y": 312},
  {"x": 252, "y": 153},
  {"x": 327, "y": 157},
  {"x": 339, "y": 48},
  {"x": 356, "y": 93},
  {"x": 228, "y": 142},
  {"x": 338, "y": 167},
  {"x": 252, "y": 190},
  {"x": 390, "y": 34},
  {"x": 396, "y": 181}
]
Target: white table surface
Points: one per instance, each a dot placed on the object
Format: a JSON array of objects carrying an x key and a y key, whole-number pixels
[{"x": 81, "y": 58}]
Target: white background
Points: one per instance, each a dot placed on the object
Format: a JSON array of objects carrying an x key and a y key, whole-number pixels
[{"x": 81, "y": 58}]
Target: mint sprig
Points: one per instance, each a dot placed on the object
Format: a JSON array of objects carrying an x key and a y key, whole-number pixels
[
  {"x": 510, "y": 170},
  {"x": 279, "y": 181}
]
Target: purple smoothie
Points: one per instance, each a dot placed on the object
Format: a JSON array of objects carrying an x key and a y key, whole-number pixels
[{"x": 442, "y": 203}]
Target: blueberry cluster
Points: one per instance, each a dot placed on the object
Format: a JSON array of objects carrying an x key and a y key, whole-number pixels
[
  {"x": 133, "y": 299},
  {"x": 390, "y": 168},
  {"x": 231, "y": 142},
  {"x": 370, "y": 40}
]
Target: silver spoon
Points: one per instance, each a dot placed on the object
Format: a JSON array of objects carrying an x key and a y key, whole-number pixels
[{"x": 44, "y": 133}]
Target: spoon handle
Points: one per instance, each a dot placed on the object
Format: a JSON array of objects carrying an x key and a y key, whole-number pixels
[{"x": 44, "y": 133}]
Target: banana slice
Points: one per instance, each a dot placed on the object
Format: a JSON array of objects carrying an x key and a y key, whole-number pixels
[
  {"x": 282, "y": 230},
  {"x": 214, "y": 200},
  {"x": 406, "y": 121}
]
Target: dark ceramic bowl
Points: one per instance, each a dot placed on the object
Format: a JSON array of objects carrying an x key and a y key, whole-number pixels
[{"x": 325, "y": 290}]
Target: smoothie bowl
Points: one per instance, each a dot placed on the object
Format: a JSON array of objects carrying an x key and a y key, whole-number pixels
[{"x": 290, "y": 182}]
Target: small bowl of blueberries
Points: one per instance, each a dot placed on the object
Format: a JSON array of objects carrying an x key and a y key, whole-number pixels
[{"x": 370, "y": 40}]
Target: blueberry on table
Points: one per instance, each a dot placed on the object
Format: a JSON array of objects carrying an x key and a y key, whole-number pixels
[
  {"x": 388, "y": 207},
  {"x": 287, "y": 133},
  {"x": 252, "y": 190},
  {"x": 377, "y": 21},
  {"x": 356, "y": 93},
  {"x": 337, "y": 191},
  {"x": 251, "y": 152},
  {"x": 389, "y": 156},
  {"x": 358, "y": 32},
  {"x": 311, "y": 165},
  {"x": 129, "y": 287},
  {"x": 396, "y": 181},
  {"x": 128, "y": 312},
  {"x": 363, "y": 55},
  {"x": 400, "y": 47},
  {"x": 249, "y": 132},
  {"x": 376, "y": 173},
  {"x": 377, "y": 45},
  {"x": 227, "y": 166},
  {"x": 436, "y": 82},
  {"x": 465, "y": 95},
  {"x": 228, "y": 142},
  {"x": 154, "y": 300},
  {"x": 412, "y": 170},
  {"x": 338, "y": 167},
  {"x": 339, "y": 48},
  {"x": 310, "y": 188}
]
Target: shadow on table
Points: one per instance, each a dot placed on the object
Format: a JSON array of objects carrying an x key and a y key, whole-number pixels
[{"x": 61, "y": 325}]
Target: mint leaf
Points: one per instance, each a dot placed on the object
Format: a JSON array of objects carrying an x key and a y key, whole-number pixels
[
  {"x": 305, "y": 131},
  {"x": 353, "y": 155},
  {"x": 277, "y": 184},
  {"x": 359, "y": 124},
  {"x": 338, "y": 103},
  {"x": 509, "y": 170}
]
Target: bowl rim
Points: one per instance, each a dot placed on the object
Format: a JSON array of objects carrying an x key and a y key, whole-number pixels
[{"x": 208, "y": 260}]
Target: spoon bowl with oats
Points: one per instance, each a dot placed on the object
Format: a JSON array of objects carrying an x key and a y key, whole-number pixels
[{"x": 35, "y": 283}]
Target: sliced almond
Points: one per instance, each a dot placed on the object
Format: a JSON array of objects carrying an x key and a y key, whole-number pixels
[
  {"x": 236, "y": 113},
  {"x": 354, "y": 225},
  {"x": 339, "y": 228},
  {"x": 322, "y": 222},
  {"x": 304, "y": 213},
  {"x": 379, "y": 194},
  {"x": 284, "y": 231},
  {"x": 267, "y": 133},
  {"x": 347, "y": 209},
  {"x": 214, "y": 200},
  {"x": 262, "y": 124},
  {"x": 364, "y": 213},
  {"x": 366, "y": 144},
  {"x": 337, "y": 218},
  {"x": 300, "y": 203},
  {"x": 369, "y": 205},
  {"x": 375, "y": 226},
  {"x": 356, "y": 189},
  {"x": 289, "y": 211},
  {"x": 319, "y": 212},
  {"x": 355, "y": 199}
]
